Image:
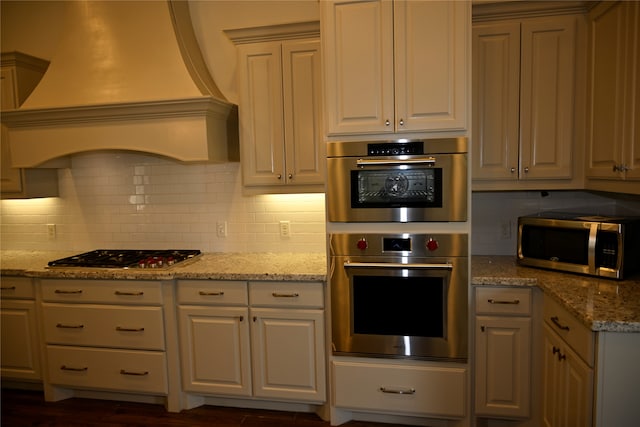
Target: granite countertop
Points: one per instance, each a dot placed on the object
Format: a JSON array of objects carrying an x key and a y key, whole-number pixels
[{"x": 601, "y": 304}]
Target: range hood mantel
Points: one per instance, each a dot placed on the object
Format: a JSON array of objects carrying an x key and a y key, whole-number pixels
[{"x": 126, "y": 76}]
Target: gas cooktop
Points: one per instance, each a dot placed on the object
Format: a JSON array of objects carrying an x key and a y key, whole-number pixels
[{"x": 128, "y": 258}]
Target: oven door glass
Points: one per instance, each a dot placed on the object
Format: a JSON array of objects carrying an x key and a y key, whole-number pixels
[{"x": 391, "y": 188}]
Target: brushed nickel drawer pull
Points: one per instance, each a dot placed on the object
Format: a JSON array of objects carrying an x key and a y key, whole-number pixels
[
  {"x": 497, "y": 301},
  {"x": 138, "y": 374},
  {"x": 123, "y": 329},
  {"x": 556, "y": 321},
  {"x": 65, "y": 326},
  {"x": 279, "y": 295},
  {"x": 211, "y": 294},
  {"x": 68, "y": 291},
  {"x": 398, "y": 391},
  {"x": 134, "y": 293},
  {"x": 8, "y": 288},
  {"x": 69, "y": 368}
]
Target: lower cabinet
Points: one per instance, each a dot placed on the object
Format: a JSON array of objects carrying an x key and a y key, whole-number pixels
[
  {"x": 503, "y": 351},
  {"x": 20, "y": 356},
  {"x": 257, "y": 339}
]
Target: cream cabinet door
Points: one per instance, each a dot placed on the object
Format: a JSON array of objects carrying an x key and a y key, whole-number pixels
[
  {"x": 430, "y": 39},
  {"x": 357, "y": 46},
  {"x": 20, "y": 352},
  {"x": 214, "y": 347},
  {"x": 261, "y": 114},
  {"x": 11, "y": 178},
  {"x": 288, "y": 354},
  {"x": 503, "y": 366},
  {"x": 302, "y": 92}
]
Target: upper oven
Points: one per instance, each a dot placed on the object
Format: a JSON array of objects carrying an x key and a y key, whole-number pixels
[{"x": 397, "y": 181}]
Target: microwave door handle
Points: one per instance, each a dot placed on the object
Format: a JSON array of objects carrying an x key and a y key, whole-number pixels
[
  {"x": 591, "y": 250},
  {"x": 397, "y": 265},
  {"x": 396, "y": 162}
]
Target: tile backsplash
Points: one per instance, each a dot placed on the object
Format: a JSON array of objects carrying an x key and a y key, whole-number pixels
[{"x": 131, "y": 201}]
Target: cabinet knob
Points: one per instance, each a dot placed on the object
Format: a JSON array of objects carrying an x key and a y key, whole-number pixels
[
  {"x": 290, "y": 176},
  {"x": 279, "y": 176},
  {"x": 401, "y": 122},
  {"x": 620, "y": 168},
  {"x": 513, "y": 170},
  {"x": 526, "y": 170},
  {"x": 387, "y": 122}
]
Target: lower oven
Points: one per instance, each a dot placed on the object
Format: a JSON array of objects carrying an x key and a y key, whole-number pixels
[{"x": 400, "y": 295}]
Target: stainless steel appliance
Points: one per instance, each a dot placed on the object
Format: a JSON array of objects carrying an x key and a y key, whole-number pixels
[
  {"x": 606, "y": 246},
  {"x": 119, "y": 258},
  {"x": 400, "y": 295},
  {"x": 397, "y": 181}
]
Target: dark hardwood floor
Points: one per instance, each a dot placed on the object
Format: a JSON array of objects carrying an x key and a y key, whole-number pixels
[{"x": 27, "y": 408}]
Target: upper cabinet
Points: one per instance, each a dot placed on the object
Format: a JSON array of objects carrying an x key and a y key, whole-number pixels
[
  {"x": 20, "y": 74},
  {"x": 281, "y": 137},
  {"x": 526, "y": 109},
  {"x": 395, "y": 66},
  {"x": 613, "y": 162}
]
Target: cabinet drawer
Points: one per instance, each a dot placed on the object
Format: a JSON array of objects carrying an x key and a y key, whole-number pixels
[
  {"x": 286, "y": 294},
  {"x": 212, "y": 292},
  {"x": 507, "y": 300},
  {"x": 102, "y": 291},
  {"x": 104, "y": 326},
  {"x": 17, "y": 287},
  {"x": 401, "y": 388},
  {"x": 575, "y": 334},
  {"x": 117, "y": 370}
]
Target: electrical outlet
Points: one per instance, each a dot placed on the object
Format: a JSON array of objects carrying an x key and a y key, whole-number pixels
[
  {"x": 221, "y": 228},
  {"x": 505, "y": 229},
  {"x": 285, "y": 228},
  {"x": 51, "y": 231}
]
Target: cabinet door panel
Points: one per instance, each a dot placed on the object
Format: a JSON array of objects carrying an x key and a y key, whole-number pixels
[
  {"x": 261, "y": 113},
  {"x": 496, "y": 99},
  {"x": 215, "y": 349},
  {"x": 547, "y": 94},
  {"x": 288, "y": 354},
  {"x": 503, "y": 349},
  {"x": 305, "y": 154},
  {"x": 19, "y": 340},
  {"x": 430, "y": 40},
  {"x": 359, "y": 68}
]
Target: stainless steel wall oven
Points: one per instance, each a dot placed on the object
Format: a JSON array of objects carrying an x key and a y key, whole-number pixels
[
  {"x": 400, "y": 295},
  {"x": 398, "y": 181}
]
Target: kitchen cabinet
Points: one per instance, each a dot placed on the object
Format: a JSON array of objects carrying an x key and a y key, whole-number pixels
[
  {"x": 503, "y": 352},
  {"x": 19, "y": 75},
  {"x": 526, "y": 111},
  {"x": 20, "y": 358},
  {"x": 613, "y": 162},
  {"x": 589, "y": 378},
  {"x": 395, "y": 67},
  {"x": 281, "y": 140},
  {"x": 109, "y": 336},
  {"x": 256, "y": 339}
]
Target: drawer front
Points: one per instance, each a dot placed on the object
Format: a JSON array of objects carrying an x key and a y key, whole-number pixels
[
  {"x": 104, "y": 326},
  {"x": 16, "y": 287},
  {"x": 580, "y": 338},
  {"x": 503, "y": 300},
  {"x": 286, "y": 294},
  {"x": 104, "y": 369},
  {"x": 102, "y": 291},
  {"x": 212, "y": 292},
  {"x": 402, "y": 389}
]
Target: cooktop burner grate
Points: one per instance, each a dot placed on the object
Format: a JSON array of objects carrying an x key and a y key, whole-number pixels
[{"x": 133, "y": 258}]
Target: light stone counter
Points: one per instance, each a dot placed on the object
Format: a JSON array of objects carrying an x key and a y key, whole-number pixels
[
  {"x": 601, "y": 304},
  {"x": 306, "y": 267}
]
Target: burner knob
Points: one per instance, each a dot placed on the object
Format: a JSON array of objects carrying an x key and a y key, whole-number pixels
[
  {"x": 432, "y": 244},
  {"x": 362, "y": 244}
]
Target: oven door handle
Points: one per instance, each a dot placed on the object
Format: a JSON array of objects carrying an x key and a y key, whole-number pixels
[
  {"x": 396, "y": 162},
  {"x": 397, "y": 265}
]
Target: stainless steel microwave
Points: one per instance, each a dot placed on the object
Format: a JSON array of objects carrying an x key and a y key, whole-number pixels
[{"x": 605, "y": 246}]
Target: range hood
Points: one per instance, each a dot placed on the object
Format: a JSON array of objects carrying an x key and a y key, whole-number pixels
[{"x": 126, "y": 76}]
